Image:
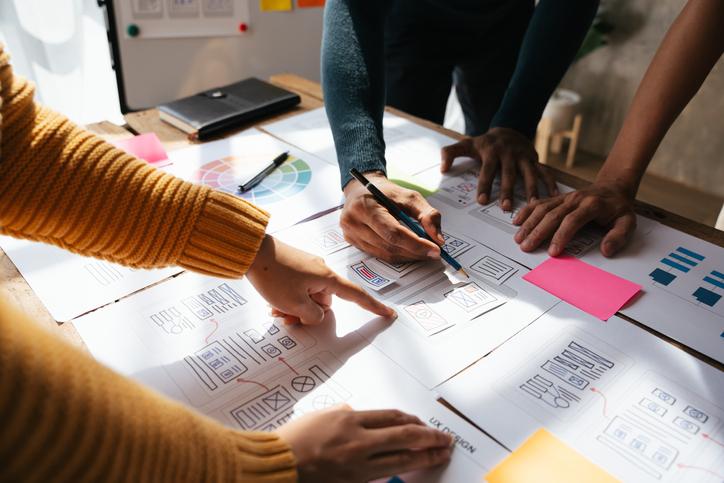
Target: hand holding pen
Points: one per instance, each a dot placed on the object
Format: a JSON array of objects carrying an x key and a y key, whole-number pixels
[
  {"x": 404, "y": 218},
  {"x": 371, "y": 228}
]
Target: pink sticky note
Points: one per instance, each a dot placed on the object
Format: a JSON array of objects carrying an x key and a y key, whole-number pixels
[
  {"x": 145, "y": 146},
  {"x": 589, "y": 288}
]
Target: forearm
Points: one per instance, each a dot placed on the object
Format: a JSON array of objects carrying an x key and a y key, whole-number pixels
[
  {"x": 687, "y": 54},
  {"x": 554, "y": 35},
  {"x": 66, "y": 417},
  {"x": 353, "y": 82},
  {"x": 62, "y": 185}
]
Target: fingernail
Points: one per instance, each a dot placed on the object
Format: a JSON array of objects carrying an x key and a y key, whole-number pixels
[
  {"x": 483, "y": 199},
  {"x": 525, "y": 245},
  {"x": 553, "y": 249},
  {"x": 506, "y": 205},
  {"x": 609, "y": 248},
  {"x": 520, "y": 236},
  {"x": 434, "y": 254}
]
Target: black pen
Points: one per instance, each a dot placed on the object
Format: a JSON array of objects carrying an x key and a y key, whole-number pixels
[
  {"x": 404, "y": 218},
  {"x": 276, "y": 162}
]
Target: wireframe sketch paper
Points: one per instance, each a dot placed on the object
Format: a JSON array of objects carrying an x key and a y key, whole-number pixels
[
  {"x": 630, "y": 402},
  {"x": 442, "y": 327},
  {"x": 302, "y": 186},
  {"x": 70, "y": 285},
  {"x": 589, "y": 288},
  {"x": 210, "y": 344}
]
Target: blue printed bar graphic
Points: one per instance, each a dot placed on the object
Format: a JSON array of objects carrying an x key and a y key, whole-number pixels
[
  {"x": 675, "y": 265},
  {"x": 682, "y": 259},
  {"x": 662, "y": 277},
  {"x": 706, "y": 297},
  {"x": 716, "y": 283},
  {"x": 690, "y": 253},
  {"x": 717, "y": 274}
]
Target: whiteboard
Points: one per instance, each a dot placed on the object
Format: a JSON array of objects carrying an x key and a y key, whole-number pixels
[{"x": 176, "y": 56}]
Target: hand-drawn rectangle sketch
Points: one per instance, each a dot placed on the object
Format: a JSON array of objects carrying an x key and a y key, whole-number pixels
[
  {"x": 455, "y": 246},
  {"x": 428, "y": 320},
  {"x": 369, "y": 277},
  {"x": 470, "y": 297},
  {"x": 277, "y": 404},
  {"x": 660, "y": 427},
  {"x": 568, "y": 375},
  {"x": 495, "y": 269}
]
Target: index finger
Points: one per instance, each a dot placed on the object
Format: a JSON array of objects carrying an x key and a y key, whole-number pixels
[{"x": 347, "y": 290}]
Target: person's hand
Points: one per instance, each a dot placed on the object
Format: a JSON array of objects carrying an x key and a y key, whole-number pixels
[
  {"x": 341, "y": 445},
  {"x": 559, "y": 218},
  {"x": 371, "y": 228},
  {"x": 505, "y": 150},
  {"x": 299, "y": 286}
]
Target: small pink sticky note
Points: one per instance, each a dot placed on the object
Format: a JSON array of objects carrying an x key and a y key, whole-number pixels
[
  {"x": 589, "y": 288},
  {"x": 145, "y": 146}
]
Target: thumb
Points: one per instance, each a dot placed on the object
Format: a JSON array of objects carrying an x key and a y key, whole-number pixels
[
  {"x": 308, "y": 312},
  {"x": 449, "y": 153}
]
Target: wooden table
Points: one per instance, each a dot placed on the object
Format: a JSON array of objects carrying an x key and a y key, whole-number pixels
[{"x": 14, "y": 288}]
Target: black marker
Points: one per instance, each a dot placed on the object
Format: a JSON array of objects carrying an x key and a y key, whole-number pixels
[{"x": 276, "y": 162}]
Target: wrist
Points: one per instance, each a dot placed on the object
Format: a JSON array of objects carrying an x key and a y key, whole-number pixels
[
  {"x": 376, "y": 176},
  {"x": 260, "y": 264}
]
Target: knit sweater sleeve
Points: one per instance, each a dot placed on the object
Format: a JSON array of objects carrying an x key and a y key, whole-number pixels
[
  {"x": 62, "y": 185},
  {"x": 65, "y": 417}
]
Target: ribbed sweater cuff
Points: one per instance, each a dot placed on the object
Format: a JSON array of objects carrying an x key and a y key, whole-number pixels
[
  {"x": 225, "y": 238},
  {"x": 264, "y": 457}
]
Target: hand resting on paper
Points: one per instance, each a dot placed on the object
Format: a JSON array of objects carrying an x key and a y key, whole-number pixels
[
  {"x": 299, "y": 286},
  {"x": 505, "y": 150},
  {"x": 341, "y": 445},
  {"x": 559, "y": 218}
]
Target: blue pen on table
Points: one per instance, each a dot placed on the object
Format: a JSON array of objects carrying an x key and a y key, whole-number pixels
[
  {"x": 404, "y": 218},
  {"x": 276, "y": 162}
]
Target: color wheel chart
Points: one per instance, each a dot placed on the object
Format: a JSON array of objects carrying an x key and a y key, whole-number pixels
[{"x": 287, "y": 180}]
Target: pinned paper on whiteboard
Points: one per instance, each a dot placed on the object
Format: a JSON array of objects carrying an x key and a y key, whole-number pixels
[{"x": 149, "y": 19}]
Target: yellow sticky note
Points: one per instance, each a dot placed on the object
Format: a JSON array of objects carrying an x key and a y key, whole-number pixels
[
  {"x": 275, "y": 5},
  {"x": 543, "y": 458}
]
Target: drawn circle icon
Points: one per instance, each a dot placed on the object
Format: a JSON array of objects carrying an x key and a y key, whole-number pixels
[
  {"x": 323, "y": 402},
  {"x": 303, "y": 383},
  {"x": 284, "y": 182}
]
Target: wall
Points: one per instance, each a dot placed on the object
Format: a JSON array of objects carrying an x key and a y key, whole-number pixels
[{"x": 693, "y": 151}]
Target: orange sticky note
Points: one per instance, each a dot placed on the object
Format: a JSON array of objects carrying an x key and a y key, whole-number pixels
[
  {"x": 543, "y": 458},
  {"x": 275, "y": 5},
  {"x": 310, "y": 3}
]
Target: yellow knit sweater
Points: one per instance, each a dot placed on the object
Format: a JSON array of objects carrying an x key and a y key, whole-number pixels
[{"x": 63, "y": 416}]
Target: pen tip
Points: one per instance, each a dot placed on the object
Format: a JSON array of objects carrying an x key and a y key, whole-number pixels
[{"x": 462, "y": 270}]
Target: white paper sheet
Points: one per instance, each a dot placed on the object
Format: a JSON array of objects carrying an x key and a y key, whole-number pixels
[
  {"x": 410, "y": 148},
  {"x": 70, "y": 285},
  {"x": 632, "y": 403},
  {"x": 439, "y": 337},
  {"x": 683, "y": 286},
  {"x": 209, "y": 344},
  {"x": 301, "y": 187}
]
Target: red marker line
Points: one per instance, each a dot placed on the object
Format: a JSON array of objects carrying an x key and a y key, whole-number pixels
[
  {"x": 253, "y": 382},
  {"x": 216, "y": 327},
  {"x": 706, "y": 436},
  {"x": 705, "y": 470},
  {"x": 282, "y": 360},
  {"x": 605, "y": 401}
]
